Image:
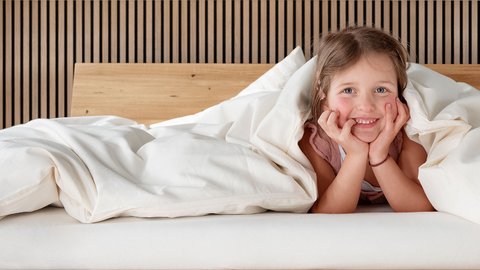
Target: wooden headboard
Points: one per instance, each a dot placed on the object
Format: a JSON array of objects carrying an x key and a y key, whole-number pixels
[{"x": 149, "y": 93}]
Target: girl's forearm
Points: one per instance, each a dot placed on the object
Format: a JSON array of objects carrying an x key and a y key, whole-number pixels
[
  {"x": 402, "y": 193},
  {"x": 343, "y": 193}
]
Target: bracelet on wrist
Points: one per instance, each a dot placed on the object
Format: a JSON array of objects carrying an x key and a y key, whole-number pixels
[{"x": 379, "y": 163}]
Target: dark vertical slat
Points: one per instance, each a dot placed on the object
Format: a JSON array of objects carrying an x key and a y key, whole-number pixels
[
  {"x": 5, "y": 65},
  {"x": 70, "y": 55},
  {"x": 43, "y": 67},
  {"x": 23, "y": 61},
  {"x": 17, "y": 64},
  {"x": 60, "y": 90},
  {"x": 8, "y": 60},
  {"x": 475, "y": 9},
  {"x": 52, "y": 97},
  {"x": 27, "y": 61},
  {"x": 140, "y": 32},
  {"x": 48, "y": 57},
  {"x": 34, "y": 48},
  {"x": 2, "y": 64}
]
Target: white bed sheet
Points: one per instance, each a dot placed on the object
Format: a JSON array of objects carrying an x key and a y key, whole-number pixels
[{"x": 372, "y": 238}]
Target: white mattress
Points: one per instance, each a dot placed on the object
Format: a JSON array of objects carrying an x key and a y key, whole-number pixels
[{"x": 371, "y": 238}]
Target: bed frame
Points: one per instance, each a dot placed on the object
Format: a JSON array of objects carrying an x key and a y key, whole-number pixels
[
  {"x": 371, "y": 238},
  {"x": 149, "y": 93}
]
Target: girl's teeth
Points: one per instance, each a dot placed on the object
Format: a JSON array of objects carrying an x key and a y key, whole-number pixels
[{"x": 360, "y": 121}]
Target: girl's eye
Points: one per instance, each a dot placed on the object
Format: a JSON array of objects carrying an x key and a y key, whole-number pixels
[
  {"x": 381, "y": 90},
  {"x": 347, "y": 91}
]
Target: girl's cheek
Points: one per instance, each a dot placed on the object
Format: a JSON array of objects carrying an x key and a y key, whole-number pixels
[
  {"x": 342, "y": 118},
  {"x": 344, "y": 107}
]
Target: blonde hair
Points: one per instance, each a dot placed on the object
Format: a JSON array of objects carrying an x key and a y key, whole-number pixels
[{"x": 340, "y": 50}]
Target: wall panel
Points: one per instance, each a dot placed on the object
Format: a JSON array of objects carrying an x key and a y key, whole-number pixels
[{"x": 41, "y": 40}]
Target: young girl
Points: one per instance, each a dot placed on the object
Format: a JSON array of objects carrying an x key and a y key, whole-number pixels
[{"x": 355, "y": 139}]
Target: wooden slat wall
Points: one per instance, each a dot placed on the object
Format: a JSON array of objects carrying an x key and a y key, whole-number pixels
[{"x": 40, "y": 40}]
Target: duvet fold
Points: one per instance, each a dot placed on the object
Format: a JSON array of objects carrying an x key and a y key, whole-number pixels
[{"x": 232, "y": 159}]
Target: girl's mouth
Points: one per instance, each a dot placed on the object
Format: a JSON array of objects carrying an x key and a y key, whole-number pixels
[{"x": 365, "y": 122}]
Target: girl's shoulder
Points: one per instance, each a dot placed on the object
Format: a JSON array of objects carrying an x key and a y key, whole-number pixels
[
  {"x": 411, "y": 147},
  {"x": 323, "y": 145},
  {"x": 412, "y": 156}
]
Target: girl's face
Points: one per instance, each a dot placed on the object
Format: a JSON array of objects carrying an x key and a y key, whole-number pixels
[{"x": 361, "y": 92}]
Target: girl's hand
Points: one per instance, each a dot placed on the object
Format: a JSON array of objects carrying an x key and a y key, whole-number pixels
[
  {"x": 328, "y": 121},
  {"x": 378, "y": 149}
]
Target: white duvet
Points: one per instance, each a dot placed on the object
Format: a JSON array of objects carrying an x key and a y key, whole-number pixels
[{"x": 238, "y": 157}]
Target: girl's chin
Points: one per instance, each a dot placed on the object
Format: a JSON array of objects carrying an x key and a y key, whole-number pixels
[{"x": 366, "y": 138}]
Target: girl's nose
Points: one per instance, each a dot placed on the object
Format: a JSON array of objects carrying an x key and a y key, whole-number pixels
[{"x": 366, "y": 103}]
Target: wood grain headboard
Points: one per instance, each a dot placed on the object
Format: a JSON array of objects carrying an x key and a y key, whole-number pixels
[{"x": 149, "y": 93}]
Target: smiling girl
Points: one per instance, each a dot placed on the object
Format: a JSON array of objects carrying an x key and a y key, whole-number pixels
[{"x": 355, "y": 139}]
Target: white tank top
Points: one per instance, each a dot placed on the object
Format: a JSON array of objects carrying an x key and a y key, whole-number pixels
[{"x": 369, "y": 192}]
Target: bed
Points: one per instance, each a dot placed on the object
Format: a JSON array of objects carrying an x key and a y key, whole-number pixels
[{"x": 152, "y": 94}]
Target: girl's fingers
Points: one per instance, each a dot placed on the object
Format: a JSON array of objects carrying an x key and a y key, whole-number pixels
[
  {"x": 332, "y": 120},
  {"x": 390, "y": 118},
  {"x": 322, "y": 120},
  {"x": 328, "y": 122},
  {"x": 347, "y": 128}
]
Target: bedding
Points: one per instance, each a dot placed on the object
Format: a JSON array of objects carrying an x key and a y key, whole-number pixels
[
  {"x": 105, "y": 167},
  {"x": 445, "y": 119},
  {"x": 238, "y": 157}
]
